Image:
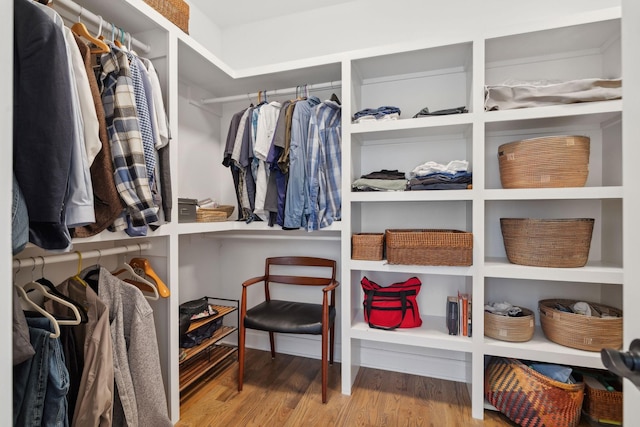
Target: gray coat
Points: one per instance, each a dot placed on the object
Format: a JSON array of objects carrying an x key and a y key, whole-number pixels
[{"x": 140, "y": 393}]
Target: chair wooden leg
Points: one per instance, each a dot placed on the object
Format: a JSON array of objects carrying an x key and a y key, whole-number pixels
[
  {"x": 325, "y": 367},
  {"x": 241, "y": 354},
  {"x": 332, "y": 339},
  {"x": 273, "y": 345}
]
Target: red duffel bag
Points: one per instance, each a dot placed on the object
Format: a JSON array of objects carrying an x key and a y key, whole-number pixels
[{"x": 393, "y": 306}]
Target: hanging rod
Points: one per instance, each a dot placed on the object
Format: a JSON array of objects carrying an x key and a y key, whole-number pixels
[
  {"x": 73, "y": 256},
  {"x": 87, "y": 15},
  {"x": 287, "y": 91}
]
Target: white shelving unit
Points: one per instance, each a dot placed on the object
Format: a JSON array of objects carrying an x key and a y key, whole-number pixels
[
  {"x": 451, "y": 76},
  {"x": 438, "y": 76}
]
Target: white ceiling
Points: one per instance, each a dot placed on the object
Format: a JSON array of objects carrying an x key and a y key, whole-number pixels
[{"x": 231, "y": 13}]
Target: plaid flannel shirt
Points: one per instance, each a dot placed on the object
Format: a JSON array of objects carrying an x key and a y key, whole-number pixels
[
  {"x": 126, "y": 141},
  {"x": 325, "y": 162}
]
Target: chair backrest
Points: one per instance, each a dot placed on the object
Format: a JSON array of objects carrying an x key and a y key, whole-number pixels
[{"x": 272, "y": 271}]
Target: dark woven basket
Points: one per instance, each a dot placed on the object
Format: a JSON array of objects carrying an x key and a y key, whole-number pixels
[
  {"x": 529, "y": 398},
  {"x": 429, "y": 247},
  {"x": 367, "y": 246}
]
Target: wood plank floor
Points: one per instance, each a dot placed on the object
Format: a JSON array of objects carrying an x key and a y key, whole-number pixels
[{"x": 287, "y": 392}]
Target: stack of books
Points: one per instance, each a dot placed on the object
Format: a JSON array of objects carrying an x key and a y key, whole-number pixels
[{"x": 459, "y": 314}]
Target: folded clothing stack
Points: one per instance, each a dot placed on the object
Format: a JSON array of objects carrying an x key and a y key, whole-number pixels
[
  {"x": 381, "y": 113},
  {"x": 382, "y": 180},
  {"x": 435, "y": 176}
]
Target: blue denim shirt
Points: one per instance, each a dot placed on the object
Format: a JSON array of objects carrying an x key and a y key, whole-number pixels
[{"x": 297, "y": 189}]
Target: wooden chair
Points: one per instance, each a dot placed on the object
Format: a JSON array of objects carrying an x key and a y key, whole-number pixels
[{"x": 288, "y": 316}]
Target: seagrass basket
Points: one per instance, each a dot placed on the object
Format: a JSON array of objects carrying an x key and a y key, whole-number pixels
[
  {"x": 367, "y": 246},
  {"x": 573, "y": 330},
  {"x": 546, "y": 162},
  {"x": 530, "y": 398},
  {"x": 506, "y": 328},
  {"x": 547, "y": 242},
  {"x": 176, "y": 11},
  {"x": 429, "y": 247},
  {"x": 220, "y": 213}
]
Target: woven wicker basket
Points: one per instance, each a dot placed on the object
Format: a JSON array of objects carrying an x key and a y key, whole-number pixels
[
  {"x": 547, "y": 242},
  {"x": 529, "y": 398},
  {"x": 429, "y": 247},
  {"x": 550, "y": 161},
  {"x": 176, "y": 11},
  {"x": 573, "y": 330},
  {"x": 505, "y": 328},
  {"x": 367, "y": 246},
  {"x": 603, "y": 406}
]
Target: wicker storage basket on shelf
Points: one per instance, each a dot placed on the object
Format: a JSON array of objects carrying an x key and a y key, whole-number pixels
[
  {"x": 529, "y": 398},
  {"x": 367, "y": 246},
  {"x": 429, "y": 247},
  {"x": 220, "y": 213},
  {"x": 506, "y": 328},
  {"x": 573, "y": 330},
  {"x": 176, "y": 11},
  {"x": 547, "y": 242},
  {"x": 550, "y": 161},
  {"x": 603, "y": 407}
]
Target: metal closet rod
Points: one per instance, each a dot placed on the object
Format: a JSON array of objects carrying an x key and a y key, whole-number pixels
[
  {"x": 87, "y": 15},
  {"x": 287, "y": 91},
  {"x": 74, "y": 256}
]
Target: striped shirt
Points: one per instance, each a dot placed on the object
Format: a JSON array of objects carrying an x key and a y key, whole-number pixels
[
  {"x": 126, "y": 141},
  {"x": 325, "y": 160}
]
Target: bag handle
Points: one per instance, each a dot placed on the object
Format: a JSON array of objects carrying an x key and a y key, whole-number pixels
[{"x": 369, "y": 304}]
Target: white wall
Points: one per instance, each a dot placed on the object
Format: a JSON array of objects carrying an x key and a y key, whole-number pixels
[
  {"x": 368, "y": 23},
  {"x": 205, "y": 31}
]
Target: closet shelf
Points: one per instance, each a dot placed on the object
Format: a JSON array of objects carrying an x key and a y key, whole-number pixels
[
  {"x": 541, "y": 349},
  {"x": 411, "y": 196},
  {"x": 433, "y": 125},
  {"x": 383, "y": 266},
  {"x": 222, "y": 227},
  {"x": 432, "y": 334},
  {"x": 593, "y": 272},
  {"x": 612, "y": 192},
  {"x": 600, "y": 112}
]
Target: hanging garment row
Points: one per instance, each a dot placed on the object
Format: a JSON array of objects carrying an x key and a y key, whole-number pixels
[
  {"x": 285, "y": 159},
  {"x": 85, "y": 351},
  {"x": 90, "y": 136}
]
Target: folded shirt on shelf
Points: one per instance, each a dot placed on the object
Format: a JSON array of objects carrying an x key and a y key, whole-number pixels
[
  {"x": 425, "y": 112},
  {"x": 381, "y": 113},
  {"x": 382, "y": 180},
  {"x": 539, "y": 93},
  {"x": 368, "y": 184},
  {"x": 431, "y": 167}
]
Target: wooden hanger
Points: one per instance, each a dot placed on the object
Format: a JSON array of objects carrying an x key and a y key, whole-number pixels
[
  {"x": 143, "y": 265},
  {"x": 81, "y": 30}
]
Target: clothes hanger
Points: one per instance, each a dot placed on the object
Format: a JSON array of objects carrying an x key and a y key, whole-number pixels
[
  {"x": 142, "y": 266},
  {"x": 54, "y": 323},
  {"x": 35, "y": 286},
  {"x": 81, "y": 30},
  {"x": 149, "y": 290},
  {"x": 84, "y": 318},
  {"x": 22, "y": 294}
]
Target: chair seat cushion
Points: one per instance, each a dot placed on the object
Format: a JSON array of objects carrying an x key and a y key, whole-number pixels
[{"x": 288, "y": 317}]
